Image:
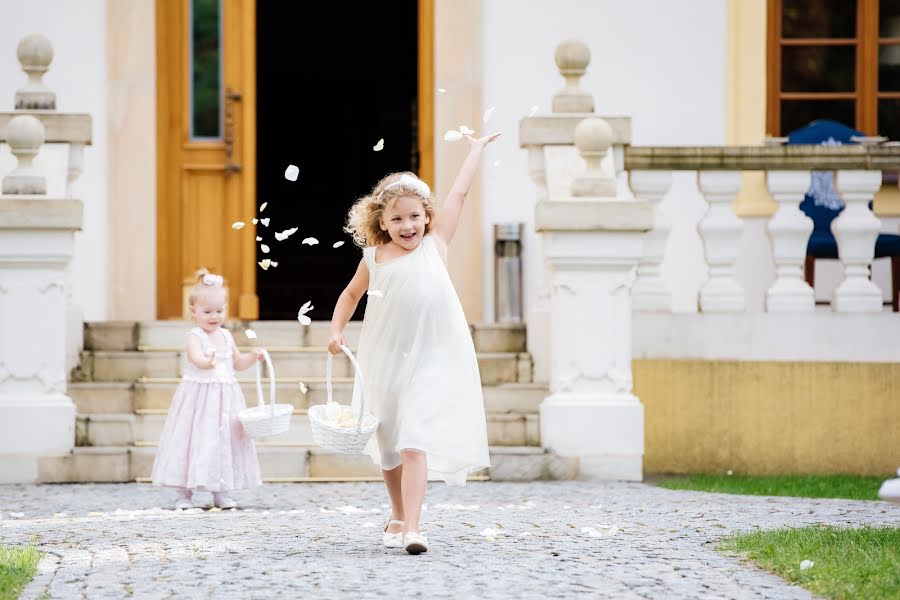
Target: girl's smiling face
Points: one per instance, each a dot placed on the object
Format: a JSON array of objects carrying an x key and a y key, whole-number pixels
[
  {"x": 209, "y": 310},
  {"x": 405, "y": 219}
]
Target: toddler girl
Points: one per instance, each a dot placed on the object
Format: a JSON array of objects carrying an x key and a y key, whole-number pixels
[
  {"x": 415, "y": 348},
  {"x": 203, "y": 444}
]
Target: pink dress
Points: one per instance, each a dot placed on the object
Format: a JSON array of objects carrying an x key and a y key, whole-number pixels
[{"x": 203, "y": 445}]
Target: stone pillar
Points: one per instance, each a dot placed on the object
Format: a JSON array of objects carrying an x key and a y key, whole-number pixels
[
  {"x": 650, "y": 293},
  {"x": 36, "y": 241},
  {"x": 856, "y": 230},
  {"x": 592, "y": 242},
  {"x": 789, "y": 230},
  {"x": 720, "y": 230}
]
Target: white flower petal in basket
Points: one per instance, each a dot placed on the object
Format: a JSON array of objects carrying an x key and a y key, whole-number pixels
[{"x": 264, "y": 419}]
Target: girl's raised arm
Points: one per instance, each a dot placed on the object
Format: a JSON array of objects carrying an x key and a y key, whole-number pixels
[
  {"x": 346, "y": 305},
  {"x": 446, "y": 223}
]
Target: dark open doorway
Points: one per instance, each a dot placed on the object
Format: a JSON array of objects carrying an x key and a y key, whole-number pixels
[{"x": 324, "y": 115}]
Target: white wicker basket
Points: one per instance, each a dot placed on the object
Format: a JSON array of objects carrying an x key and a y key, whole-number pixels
[
  {"x": 264, "y": 420},
  {"x": 330, "y": 434}
]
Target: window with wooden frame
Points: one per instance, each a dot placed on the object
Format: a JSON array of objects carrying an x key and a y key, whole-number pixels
[{"x": 834, "y": 59}]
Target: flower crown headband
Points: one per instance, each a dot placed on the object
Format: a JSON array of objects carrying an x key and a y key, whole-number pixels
[{"x": 409, "y": 181}]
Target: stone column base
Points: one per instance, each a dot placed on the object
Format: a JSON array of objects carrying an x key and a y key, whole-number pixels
[
  {"x": 606, "y": 434},
  {"x": 36, "y": 425}
]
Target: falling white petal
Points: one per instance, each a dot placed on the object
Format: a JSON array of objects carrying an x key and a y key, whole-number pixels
[
  {"x": 250, "y": 334},
  {"x": 304, "y": 320},
  {"x": 283, "y": 235},
  {"x": 258, "y": 239},
  {"x": 274, "y": 264},
  {"x": 496, "y": 163},
  {"x": 337, "y": 244},
  {"x": 379, "y": 146},
  {"x": 534, "y": 109},
  {"x": 303, "y": 387},
  {"x": 806, "y": 564},
  {"x": 265, "y": 221},
  {"x": 237, "y": 225},
  {"x": 376, "y": 293},
  {"x": 264, "y": 263},
  {"x": 310, "y": 241},
  {"x": 291, "y": 173},
  {"x": 465, "y": 130},
  {"x": 263, "y": 206},
  {"x": 487, "y": 115},
  {"x": 442, "y": 90},
  {"x": 255, "y": 221},
  {"x": 452, "y": 136},
  {"x": 729, "y": 472},
  {"x": 264, "y": 248}
]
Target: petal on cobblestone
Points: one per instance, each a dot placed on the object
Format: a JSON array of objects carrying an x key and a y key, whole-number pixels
[
  {"x": 368, "y": 525},
  {"x": 16, "y": 515}
]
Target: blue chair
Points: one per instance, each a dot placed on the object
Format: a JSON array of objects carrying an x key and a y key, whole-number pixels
[{"x": 822, "y": 244}]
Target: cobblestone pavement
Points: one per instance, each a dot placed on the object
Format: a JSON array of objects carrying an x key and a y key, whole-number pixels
[{"x": 559, "y": 540}]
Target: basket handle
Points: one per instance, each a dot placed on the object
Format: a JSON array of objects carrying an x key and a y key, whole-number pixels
[
  {"x": 271, "y": 371},
  {"x": 357, "y": 372}
]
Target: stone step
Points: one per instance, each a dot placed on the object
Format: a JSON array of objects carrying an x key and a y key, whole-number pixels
[
  {"x": 288, "y": 463},
  {"x": 495, "y": 367},
  {"x": 97, "y": 397},
  {"x": 145, "y": 429},
  {"x": 134, "y": 335}
]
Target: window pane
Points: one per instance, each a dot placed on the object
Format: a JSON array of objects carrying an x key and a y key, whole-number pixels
[
  {"x": 818, "y": 19},
  {"x": 799, "y": 113},
  {"x": 818, "y": 68},
  {"x": 206, "y": 68},
  {"x": 889, "y": 68},
  {"x": 889, "y": 118},
  {"x": 889, "y": 18}
]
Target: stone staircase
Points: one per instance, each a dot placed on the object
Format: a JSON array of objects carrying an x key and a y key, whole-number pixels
[{"x": 129, "y": 371}]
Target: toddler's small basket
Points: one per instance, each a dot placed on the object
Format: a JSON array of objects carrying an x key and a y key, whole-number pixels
[
  {"x": 347, "y": 436},
  {"x": 264, "y": 420}
]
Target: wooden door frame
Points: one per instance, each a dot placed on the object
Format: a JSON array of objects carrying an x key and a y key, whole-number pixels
[{"x": 426, "y": 92}]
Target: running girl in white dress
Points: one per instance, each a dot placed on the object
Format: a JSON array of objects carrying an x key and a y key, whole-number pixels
[{"x": 415, "y": 348}]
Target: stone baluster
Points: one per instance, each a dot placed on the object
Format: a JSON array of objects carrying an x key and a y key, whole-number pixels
[
  {"x": 539, "y": 314},
  {"x": 650, "y": 292},
  {"x": 592, "y": 244},
  {"x": 721, "y": 230},
  {"x": 856, "y": 230},
  {"x": 789, "y": 230},
  {"x": 26, "y": 135}
]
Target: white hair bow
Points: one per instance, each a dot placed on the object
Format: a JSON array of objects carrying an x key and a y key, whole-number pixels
[
  {"x": 214, "y": 280},
  {"x": 410, "y": 181}
]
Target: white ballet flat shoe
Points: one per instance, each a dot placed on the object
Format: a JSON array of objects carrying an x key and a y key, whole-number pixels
[
  {"x": 184, "y": 504},
  {"x": 222, "y": 500},
  {"x": 415, "y": 543},
  {"x": 392, "y": 540}
]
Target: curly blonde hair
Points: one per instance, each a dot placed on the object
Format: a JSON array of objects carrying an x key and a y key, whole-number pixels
[
  {"x": 363, "y": 221},
  {"x": 199, "y": 288}
]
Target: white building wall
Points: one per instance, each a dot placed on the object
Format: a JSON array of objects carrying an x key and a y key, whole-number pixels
[
  {"x": 660, "y": 62},
  {"x": 77, "y": 30}
]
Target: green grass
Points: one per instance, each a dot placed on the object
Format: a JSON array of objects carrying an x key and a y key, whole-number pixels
[
  {"x": 17, "y": 567},
  {"x": 806, "y": 486},
  {"x": 848, "y": 563}
]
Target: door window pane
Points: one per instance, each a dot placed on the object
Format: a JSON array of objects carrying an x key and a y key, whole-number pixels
[
  {"x": 206, "y": 68},
  {"x": 889, "y": 118},
  {"x": 818, "y": 68},
  {"x": 799, "y": 113},
  {"x": 889, "y": 68},
  {"x": 889, "y": 19},
  {"x": 818, "y": 19}
]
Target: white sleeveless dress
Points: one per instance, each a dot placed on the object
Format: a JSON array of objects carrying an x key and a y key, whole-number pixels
[{"x": 419, "y": 365}]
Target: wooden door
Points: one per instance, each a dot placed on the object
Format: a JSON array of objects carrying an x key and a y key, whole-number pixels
[{"x": 206, "y": 149}]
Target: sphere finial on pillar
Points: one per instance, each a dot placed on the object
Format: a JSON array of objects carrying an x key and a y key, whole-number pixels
[
  {"x": 572, "y": 58},
  {"x": 35, "y": 54},
  {"x": 25, "y": 134},
  {"x": 593, "y": 137}
]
